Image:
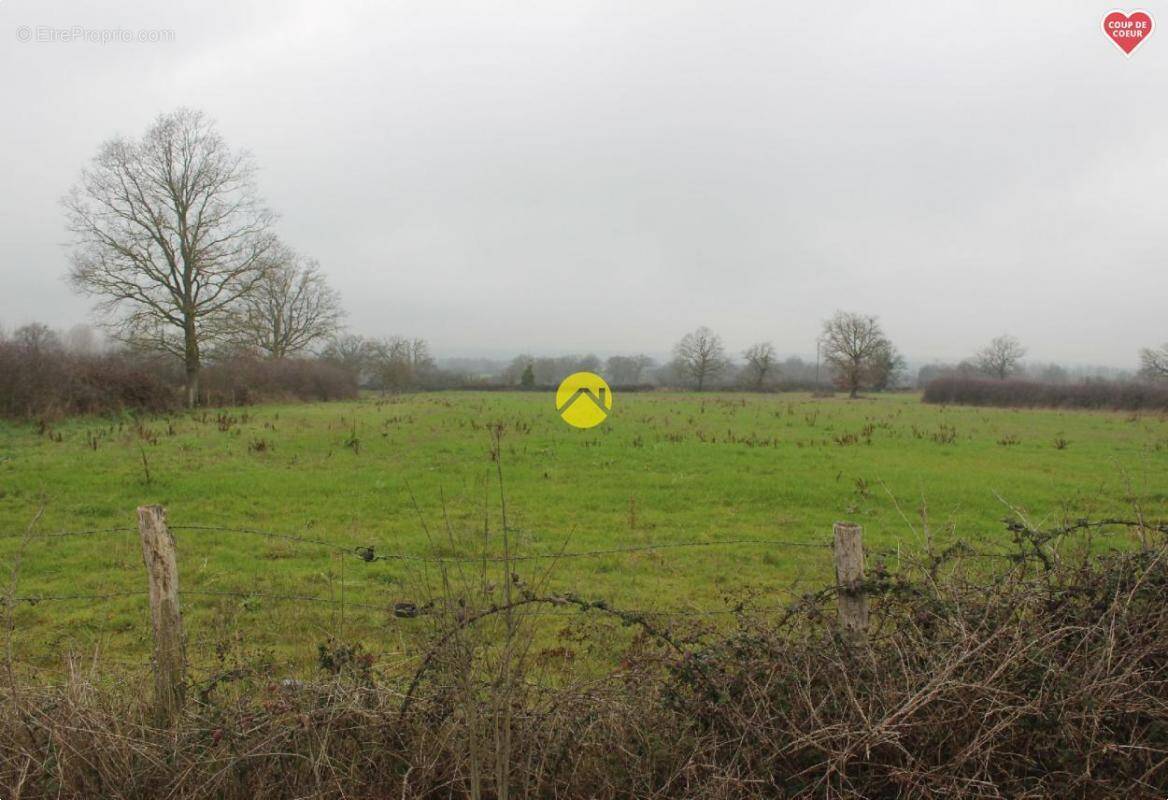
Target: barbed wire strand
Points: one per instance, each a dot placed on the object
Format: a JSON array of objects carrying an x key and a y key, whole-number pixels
[
  {"x": 42, "y": 598},
  {"x": 368, "y": 552},
  {"x": 289, "y": 537},
  {"x": 306, "y": 598},
  {"x": 64, "y": 534},
  {"x": 389, "y": 607}
]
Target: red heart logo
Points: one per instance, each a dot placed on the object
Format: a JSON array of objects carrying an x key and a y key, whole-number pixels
[{"x": 1127, "y": 31}]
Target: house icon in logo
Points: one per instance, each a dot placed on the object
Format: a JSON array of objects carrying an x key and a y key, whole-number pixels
[{"x": 584, "y": 400}]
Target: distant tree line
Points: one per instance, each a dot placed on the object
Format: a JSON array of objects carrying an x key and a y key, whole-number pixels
[
  {"x": 996, "y": 376},
  {"x": 1002, "y": 359},
  {"x": 855, "y": 356},
  {"x": 393, "y": 364},
  {"x": 271, "y": 355}
]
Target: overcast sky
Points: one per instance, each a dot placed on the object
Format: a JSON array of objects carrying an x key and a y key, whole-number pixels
[{"x": 603, "y": 176}]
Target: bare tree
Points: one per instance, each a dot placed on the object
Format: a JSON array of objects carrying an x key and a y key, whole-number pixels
[
  {"x": 291, "y": 309},
  {"x": 36, "y": 338},
  {"x": 760, "y": 363},
  {"x": 81, "y": 340},
  {"x": 1154, "y": 363},
  {"x": 700, "y": 356},
  {"x": 170, "y": 234},
  {"x": 626, "y": 370},
  {"x": 515, "y": 371},
  {"x": 420, "y": 358},
  {"x": 398, "y": 363},
  {"x": 887, "y": 368},
  {"x": 351, "y": 352},
  {"x": 1000, "y": 358},
  {"x": 853, "y": 346},
  {"x": 548, "y": 370},
  {"x": 587, "y": 363}
]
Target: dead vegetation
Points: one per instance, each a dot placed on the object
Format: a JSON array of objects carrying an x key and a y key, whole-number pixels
[{"x": 1040, "y": 676}]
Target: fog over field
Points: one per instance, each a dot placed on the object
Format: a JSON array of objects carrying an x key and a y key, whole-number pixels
[{"x": 602, "y": 176}]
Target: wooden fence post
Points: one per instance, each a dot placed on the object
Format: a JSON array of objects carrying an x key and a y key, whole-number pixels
[
  {"x": 849, "y": 578},
  {"x": 158, "y": 552}
]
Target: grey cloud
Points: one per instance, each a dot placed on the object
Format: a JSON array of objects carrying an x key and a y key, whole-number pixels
[{"x": 603, "y": 177}]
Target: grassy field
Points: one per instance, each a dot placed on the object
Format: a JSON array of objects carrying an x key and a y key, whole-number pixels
[{"x": 666, "y": 467}]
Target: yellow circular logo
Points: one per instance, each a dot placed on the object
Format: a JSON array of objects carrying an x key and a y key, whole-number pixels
[{"x": 584, "y": 400}]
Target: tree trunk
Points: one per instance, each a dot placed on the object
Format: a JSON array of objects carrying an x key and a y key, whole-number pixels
[
  {"x": 192, "y": 363},
  {"x": 192, "y": 384}
]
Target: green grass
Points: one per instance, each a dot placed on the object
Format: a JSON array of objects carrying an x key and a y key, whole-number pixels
[{"x": 684, "y": 466}]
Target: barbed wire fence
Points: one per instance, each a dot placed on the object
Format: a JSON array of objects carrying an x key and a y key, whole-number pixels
[{"x": 848, "y": 556}]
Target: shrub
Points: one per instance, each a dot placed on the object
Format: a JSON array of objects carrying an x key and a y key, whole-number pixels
[
  {"x": 244, "y": 380},
  {"x": 50, "y": 382},
  {"x": 1114, "y": 395},
  {"x": 44, "y": 380}
]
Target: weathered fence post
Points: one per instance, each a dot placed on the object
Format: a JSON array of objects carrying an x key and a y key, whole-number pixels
[
  {"x": 158, "y": 552},
  {"x": 849, "y": 578}
]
